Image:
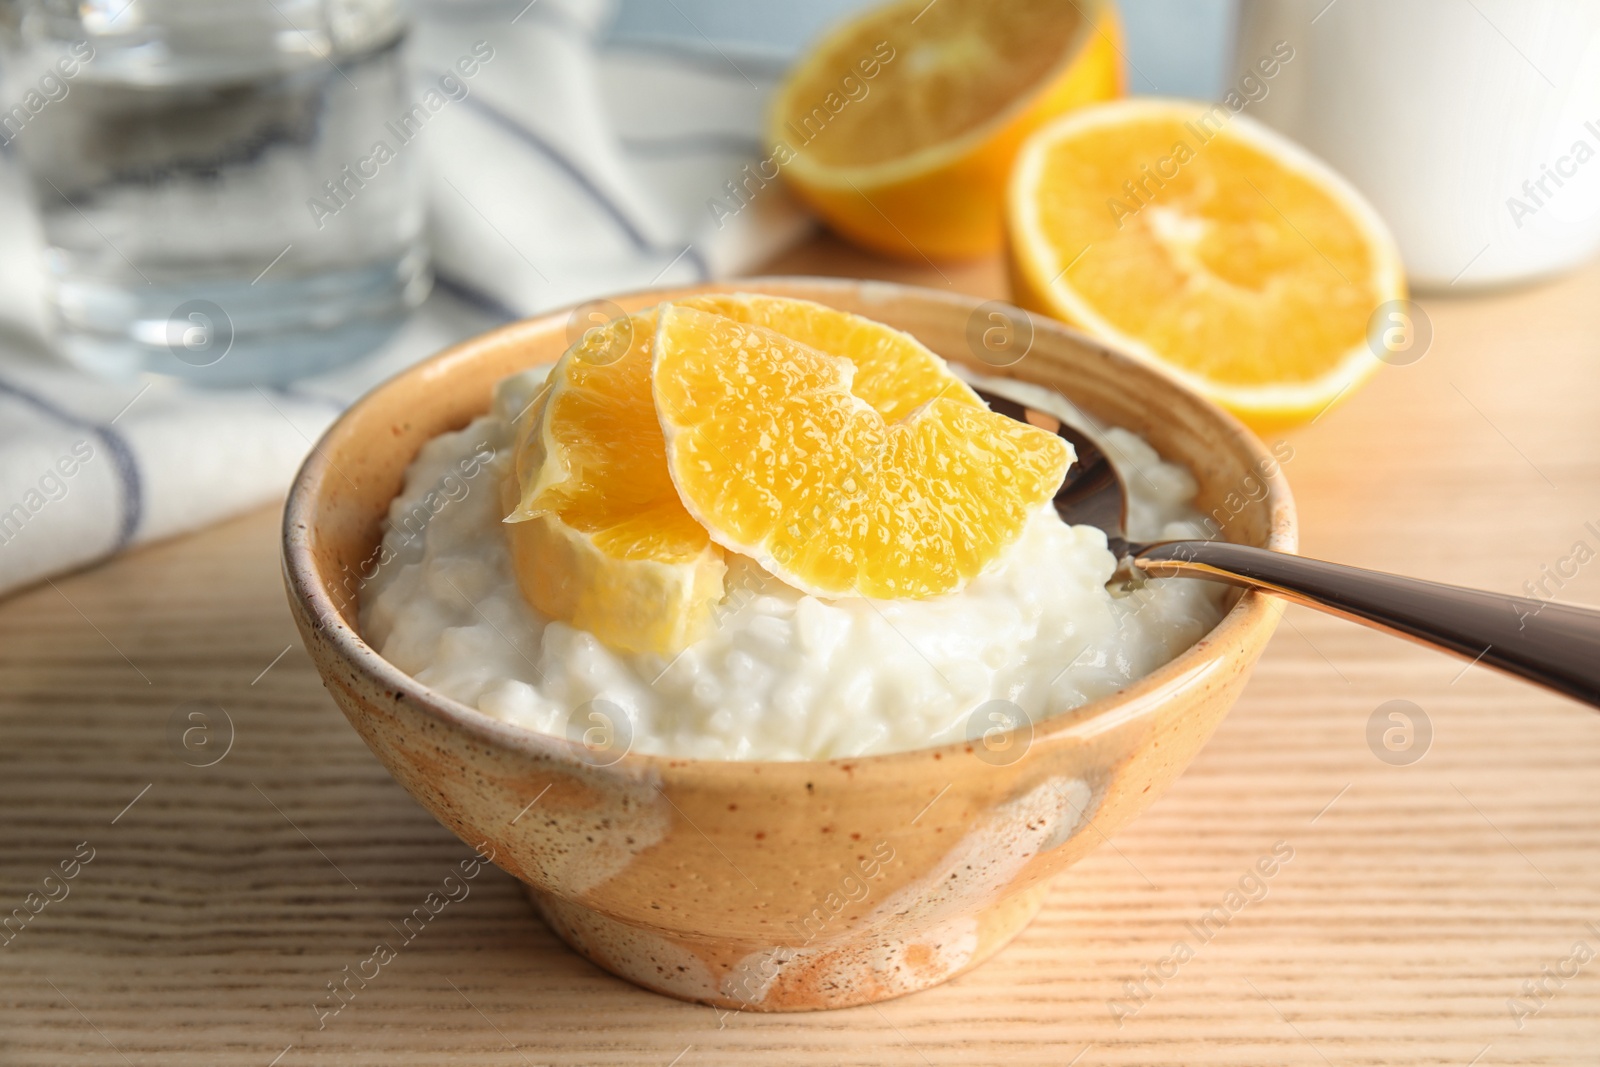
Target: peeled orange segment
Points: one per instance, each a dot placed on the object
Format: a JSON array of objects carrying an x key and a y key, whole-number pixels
[
  {"x": 1206, "y": 244},
  {"x": 780, "y": 460},
  {"x": 900, "y": 126},
  {"x": 598, "y": 536},
  {"x": 894, "y": 372}
]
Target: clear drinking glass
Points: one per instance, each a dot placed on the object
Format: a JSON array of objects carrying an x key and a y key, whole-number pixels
[{"x": 213, "y": 201}]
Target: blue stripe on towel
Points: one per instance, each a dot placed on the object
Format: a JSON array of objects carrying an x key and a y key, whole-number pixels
[
  {"x": 121, "y": 458},
  {"x": 132, "y": 486},
  {"x": 472, "y": 297},
  {"x": 560, "y": 159},
  {"x": 702, "y": 268},
  {"x": 697, "y": 143}
]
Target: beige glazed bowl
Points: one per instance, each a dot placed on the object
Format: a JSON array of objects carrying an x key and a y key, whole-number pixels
[{"x": 779, "y": 886}]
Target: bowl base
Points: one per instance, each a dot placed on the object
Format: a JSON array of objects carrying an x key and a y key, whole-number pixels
[{"x": 877, "y": 963}]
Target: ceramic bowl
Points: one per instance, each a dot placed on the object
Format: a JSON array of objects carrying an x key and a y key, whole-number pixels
[{"x": 781, "y": 886}]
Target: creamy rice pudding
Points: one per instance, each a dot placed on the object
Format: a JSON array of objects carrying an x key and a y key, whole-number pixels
[{"x": 782, "y": 675}]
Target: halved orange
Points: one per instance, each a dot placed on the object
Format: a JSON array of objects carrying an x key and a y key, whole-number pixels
[
  {"x": 779, "y": 456},
  {"x": 900, "y": 126},
  {"x": 1207, "y": 244}
]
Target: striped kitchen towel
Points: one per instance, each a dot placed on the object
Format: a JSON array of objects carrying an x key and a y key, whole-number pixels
[{"x": 566, "y": 170}]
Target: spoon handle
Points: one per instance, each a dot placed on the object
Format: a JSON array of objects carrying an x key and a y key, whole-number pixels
[{"x": 1554, "y": 645}]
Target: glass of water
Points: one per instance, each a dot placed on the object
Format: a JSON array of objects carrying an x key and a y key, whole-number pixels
[{"x": 220, "y": 195}]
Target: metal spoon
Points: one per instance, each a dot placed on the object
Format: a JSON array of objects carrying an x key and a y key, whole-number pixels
[{"x": 1553, "y": 645}]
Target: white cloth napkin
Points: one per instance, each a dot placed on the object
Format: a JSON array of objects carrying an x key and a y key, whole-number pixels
[{"x": 569, "y": 171}]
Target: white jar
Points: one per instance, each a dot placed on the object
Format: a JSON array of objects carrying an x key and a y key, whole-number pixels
[{"x": 1472, "y": 125}]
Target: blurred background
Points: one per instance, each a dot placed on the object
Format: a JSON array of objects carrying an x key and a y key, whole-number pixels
[
  {"x": 220, "y": 222},
  {"x": 1174, "y": 47}
]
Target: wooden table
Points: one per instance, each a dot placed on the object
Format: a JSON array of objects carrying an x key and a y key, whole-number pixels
[{"x": 1420, "y": 899}]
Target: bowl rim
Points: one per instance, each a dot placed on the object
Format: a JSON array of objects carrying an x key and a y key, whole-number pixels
[{"x": 1250, "y": 613}]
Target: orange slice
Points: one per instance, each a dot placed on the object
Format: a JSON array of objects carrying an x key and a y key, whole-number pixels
[
  {"x": 598, "y": 536},
  {"x": 894, "y": 372},
  {"x": 1206, "y": 244},
  {"x": 900, "y": 126},
  {"x": 779, "y": 459}
]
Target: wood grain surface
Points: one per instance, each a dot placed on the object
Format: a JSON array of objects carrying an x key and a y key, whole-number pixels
[{"x": 1432, "y": 913}]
